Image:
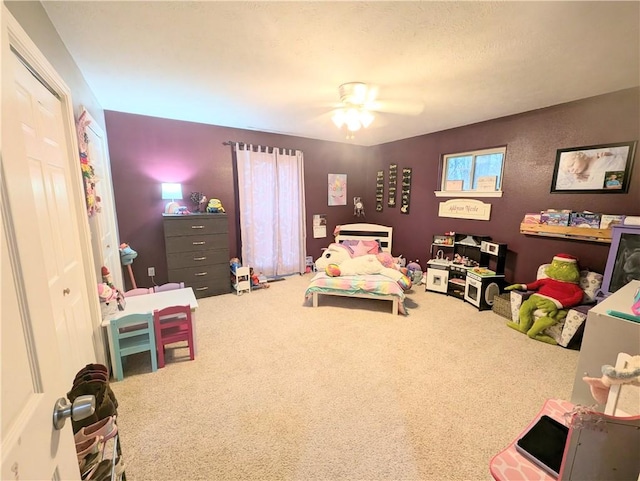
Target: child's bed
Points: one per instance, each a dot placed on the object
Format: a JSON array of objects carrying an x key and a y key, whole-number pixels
[{"x": 373, "y": 286}]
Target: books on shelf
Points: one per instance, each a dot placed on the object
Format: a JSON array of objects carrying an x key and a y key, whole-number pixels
[
  {"x": 567, "y": 218},
  {"x": 585, "y": 219},
  {"x": 608, "y": 220}
]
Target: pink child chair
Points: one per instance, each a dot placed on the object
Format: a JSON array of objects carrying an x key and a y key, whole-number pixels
[{"x": 173, "y": 324}]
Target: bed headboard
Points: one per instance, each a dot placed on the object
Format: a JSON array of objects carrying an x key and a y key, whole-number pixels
[{"x": 380, "y": 233}]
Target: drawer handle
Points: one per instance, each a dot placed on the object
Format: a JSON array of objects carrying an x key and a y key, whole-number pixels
[
  {"x": 201, "y": 288},
  {"x": 198, "y": 243},
  {"x": 203, "y": 258},
  {"x": 197, "y": 227},
  {"x": 201, "y": 273}
]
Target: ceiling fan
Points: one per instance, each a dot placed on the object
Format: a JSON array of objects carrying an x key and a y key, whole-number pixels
[{"x": 359, "y": 102}]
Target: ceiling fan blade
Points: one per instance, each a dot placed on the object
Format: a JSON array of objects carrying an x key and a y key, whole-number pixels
[{"x": 402, "y": 107}]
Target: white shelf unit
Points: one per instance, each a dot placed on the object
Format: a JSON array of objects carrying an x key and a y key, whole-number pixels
[{"x": 241, "y": 279}]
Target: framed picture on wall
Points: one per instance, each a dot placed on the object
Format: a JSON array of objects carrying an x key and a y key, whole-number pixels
[
  {"x": 623, "y": 262},
  {"x": 596, "y": 169}
]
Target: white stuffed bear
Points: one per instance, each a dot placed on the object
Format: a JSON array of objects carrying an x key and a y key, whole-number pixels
[{"x": 336, "y": 261}]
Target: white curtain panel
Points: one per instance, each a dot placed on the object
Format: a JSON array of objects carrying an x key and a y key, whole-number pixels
[{"x": 272, "y": 212}]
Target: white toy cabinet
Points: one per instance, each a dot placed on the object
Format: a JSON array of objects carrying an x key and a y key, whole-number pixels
[{"x": 241, "y": 279}]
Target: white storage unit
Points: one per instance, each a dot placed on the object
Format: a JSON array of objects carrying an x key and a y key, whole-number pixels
[
  {"x": 605, "y": 336},
  {"x": 241, "y": 279}
]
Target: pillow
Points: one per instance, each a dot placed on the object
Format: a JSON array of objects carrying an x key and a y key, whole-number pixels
[
  {"x": 362, "y": 247},
  {"x": 590, "y": 283}
]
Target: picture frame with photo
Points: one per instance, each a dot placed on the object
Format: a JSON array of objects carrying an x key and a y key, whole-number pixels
[
  {"x": 595, "y": 169},
  {"x": 623, "y": 261}
]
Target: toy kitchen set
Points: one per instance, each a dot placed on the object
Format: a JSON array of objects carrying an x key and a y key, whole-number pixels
[{"x": 468, "y": 267}]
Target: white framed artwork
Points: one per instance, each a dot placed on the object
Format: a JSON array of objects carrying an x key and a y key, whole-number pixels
[{"x": 337, "y": 189}]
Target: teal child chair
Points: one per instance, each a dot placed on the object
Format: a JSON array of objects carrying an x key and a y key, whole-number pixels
[{"x": 132, "y": 334}]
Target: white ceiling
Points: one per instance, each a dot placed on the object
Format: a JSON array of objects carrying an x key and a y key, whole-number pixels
[{"x": 276, "y": 66}]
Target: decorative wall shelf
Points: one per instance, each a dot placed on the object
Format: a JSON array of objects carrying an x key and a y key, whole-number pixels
[{"x": 573, "y": 233}]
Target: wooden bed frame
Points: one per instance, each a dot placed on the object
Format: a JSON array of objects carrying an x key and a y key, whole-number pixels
[
  {"x": 393, "y": 299},
  {"x": 380, "y": 233}
]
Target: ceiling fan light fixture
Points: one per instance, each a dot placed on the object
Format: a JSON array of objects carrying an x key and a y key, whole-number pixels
[
  {"x": 355, "y": 97},
  {"x": 366, "y": 118},
  {"x": 353, "y": 125},
  {"x": 339, "y": 118}
]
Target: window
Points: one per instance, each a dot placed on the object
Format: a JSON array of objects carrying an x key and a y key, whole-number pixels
[{"x": 477, "y": 173}]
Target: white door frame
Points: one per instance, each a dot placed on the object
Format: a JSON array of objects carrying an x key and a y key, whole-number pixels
[
  {"x": 105, "y": 191},
  {"x": 24, "y": 46}
]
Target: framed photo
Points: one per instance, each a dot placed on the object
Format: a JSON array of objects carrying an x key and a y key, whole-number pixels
[
  {"x": 596, "y": 169},
  {"x": 623, "y": 262}
]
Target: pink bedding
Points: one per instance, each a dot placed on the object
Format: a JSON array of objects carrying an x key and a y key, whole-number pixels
[{"x": 373, "y": 285}]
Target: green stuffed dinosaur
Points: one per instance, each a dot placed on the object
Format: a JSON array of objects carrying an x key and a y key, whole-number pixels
[{"x": 554, "y": 295}]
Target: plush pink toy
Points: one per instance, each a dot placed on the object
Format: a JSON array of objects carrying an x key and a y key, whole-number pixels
[
  {"x": 106, "y": 293},
  {"x": 337, "y": 261}
]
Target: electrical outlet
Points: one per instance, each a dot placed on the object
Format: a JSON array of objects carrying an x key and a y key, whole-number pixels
[{"x": 151, "y": 271}]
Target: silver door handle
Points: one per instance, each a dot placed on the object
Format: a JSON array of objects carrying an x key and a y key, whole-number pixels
[{"x": 82, "y": 407}]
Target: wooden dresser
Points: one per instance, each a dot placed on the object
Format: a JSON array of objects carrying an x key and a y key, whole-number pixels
[{"x": 197, "y": 247}]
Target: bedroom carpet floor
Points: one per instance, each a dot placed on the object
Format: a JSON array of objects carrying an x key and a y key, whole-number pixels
[{"x": 280, "y": 390}]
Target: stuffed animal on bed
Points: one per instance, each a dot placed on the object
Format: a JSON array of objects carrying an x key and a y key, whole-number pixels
[
  {"x": 554, "y": 294},
  {"x": 336, "y": 261}
]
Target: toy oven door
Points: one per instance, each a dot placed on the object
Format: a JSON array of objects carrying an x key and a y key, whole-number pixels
[
  {"x": 473, "y": 291},
  {"x": 437, "y": 279}
]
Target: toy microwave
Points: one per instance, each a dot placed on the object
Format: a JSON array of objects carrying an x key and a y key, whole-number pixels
[{"x": 493, "y": 248}]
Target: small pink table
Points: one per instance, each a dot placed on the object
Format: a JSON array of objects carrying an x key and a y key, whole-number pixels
[{"x": 510, "y": 465}]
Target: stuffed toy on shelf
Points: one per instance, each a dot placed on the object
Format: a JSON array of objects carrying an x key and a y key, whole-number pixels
[
  {"x": 215, "y": 206},
  {"x": 554, "y": 294}
]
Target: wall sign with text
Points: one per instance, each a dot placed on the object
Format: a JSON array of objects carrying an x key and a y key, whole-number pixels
[
  {"x": 379, "y": 190},
  {"x": 405, "y": 197},
  {"x": 393, "y": 182},
  {"x": 465, "y": 209}
]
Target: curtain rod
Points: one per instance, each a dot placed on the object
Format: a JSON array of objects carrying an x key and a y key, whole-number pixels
[{"x": 244, "y": 144}]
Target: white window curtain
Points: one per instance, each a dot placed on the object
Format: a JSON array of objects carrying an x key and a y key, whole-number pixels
[{"x": 272, "y": 209}]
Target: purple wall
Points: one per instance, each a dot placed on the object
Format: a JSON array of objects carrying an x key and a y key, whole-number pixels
[
  {"x": 532, "y": 140},
  {"x": 147, "y": 151}
]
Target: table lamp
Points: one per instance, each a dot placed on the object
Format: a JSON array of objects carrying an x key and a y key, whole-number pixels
[{"x": 171, "y": 192}]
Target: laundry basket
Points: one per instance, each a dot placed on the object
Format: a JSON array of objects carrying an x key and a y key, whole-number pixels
[{"x": 502, "y": 305}]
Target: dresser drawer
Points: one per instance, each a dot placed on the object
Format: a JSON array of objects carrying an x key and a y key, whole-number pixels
[
  {"x": 191, "y": 275},
  {"x": 189, "y": 225},
  {"x": 177, "y": 260},
  {"x": 211, "y": 288},
  {"x": 205, "y": 280},
  {"x": 193, "y": 243}
]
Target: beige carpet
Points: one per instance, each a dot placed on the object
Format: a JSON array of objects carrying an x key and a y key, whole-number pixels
[{"x": 280, "y": 390}]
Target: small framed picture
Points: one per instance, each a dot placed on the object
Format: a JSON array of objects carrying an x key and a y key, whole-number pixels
[
  {"x": 595, "y": 169},
  {"x": 453, "y": 185}
]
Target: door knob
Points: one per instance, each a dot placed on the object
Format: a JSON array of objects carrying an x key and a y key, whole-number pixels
[
  {"x": 82, "y": 407},
  {"x": 66, "y": 291}
]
